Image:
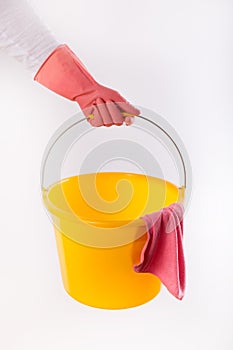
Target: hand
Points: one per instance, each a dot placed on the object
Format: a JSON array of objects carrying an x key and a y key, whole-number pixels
[
  {"x": 104, "y": 106},
  {"x": 63, "y": 73}
]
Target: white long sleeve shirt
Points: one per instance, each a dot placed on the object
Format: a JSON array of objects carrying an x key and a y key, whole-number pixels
[{"x": 23, "y": 35}]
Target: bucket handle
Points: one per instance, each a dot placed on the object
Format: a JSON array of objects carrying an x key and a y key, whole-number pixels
[
  {"x": 181, "y": 189},
  {"x": 174, "y": 143}
]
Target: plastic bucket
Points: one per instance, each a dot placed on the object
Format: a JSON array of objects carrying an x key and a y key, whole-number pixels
[{"x": 97, "y": 245}]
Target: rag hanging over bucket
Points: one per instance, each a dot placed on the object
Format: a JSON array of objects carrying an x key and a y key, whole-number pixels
[{"x": 163, "y": 253}]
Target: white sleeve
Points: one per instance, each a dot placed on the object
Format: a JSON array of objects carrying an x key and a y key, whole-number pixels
[{"x": 23, "y": 35}]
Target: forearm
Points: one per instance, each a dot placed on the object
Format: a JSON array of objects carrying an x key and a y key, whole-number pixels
[
  {"x": 56, "y": 66},
  {"x": 23, "y": 35}
]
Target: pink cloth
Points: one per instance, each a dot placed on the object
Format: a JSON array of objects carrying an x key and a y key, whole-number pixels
[{"x": 163, "y": 254}]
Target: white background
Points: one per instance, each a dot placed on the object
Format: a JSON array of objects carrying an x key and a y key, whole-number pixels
[{"x": 174, "y": 57}]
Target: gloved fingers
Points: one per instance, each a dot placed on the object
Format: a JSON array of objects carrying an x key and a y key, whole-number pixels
[
  {"x": 128, "y": 109},
  {"x": 115, "y": 113},
  {"x": 110, "y": 112},
  {"x": 127, "y": 117},
  {"x": 96, "y": 119},
  {"x": 88, "y": 112},
  {"x": 129, "y": 120},
  {"x": 103, "y": 112},
  {"x": 93, "y": 115}
]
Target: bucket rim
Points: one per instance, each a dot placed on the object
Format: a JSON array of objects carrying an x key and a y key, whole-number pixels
[{"x": 54, "y": 210}]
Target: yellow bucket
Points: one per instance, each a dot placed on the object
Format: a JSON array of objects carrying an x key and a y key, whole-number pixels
[{"x": 100, "y": 241}]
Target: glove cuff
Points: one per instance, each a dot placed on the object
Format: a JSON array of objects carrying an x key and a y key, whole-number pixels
[{"x": 63, "y": 73}]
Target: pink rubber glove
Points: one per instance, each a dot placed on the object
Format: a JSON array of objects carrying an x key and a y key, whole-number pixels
[{"x": 64, "y": 73}]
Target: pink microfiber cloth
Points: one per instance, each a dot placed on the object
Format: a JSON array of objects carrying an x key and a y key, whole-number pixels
[{"x": 162, "y": 254}]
